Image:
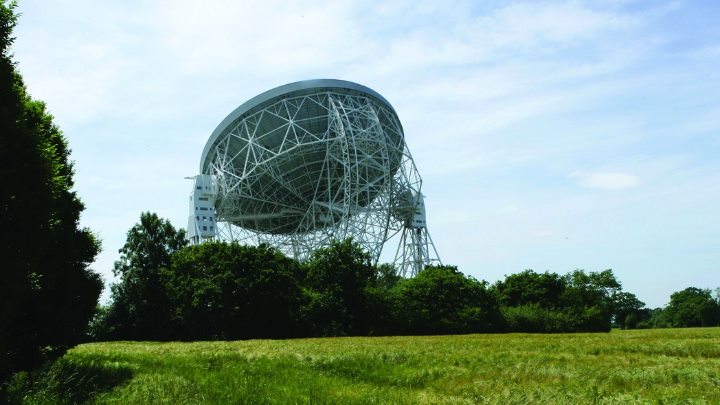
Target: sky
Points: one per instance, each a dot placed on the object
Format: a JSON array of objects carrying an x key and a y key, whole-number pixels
[{"x": 551, "y": 135}]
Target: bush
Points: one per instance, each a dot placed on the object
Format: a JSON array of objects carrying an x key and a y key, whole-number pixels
[
  {"x": 228, "y": 291},
  {"x": 338, "y": 282},
  {"x": 533, "y": 318},
  {"x": 440, "y": 300}
]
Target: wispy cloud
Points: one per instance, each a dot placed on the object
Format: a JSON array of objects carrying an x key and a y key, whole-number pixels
[{"x": 606, "y": 180}]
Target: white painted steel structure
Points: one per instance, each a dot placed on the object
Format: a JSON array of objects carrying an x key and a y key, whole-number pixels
[{"x": 312, "y": 161}]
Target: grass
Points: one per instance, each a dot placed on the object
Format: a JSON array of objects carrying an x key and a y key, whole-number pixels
[{"x": 648, "y": 366}]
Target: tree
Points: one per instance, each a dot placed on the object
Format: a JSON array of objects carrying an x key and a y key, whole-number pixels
[
  {"x": 588, "y": 297},
  {"x": 337, "y": 279},
  {"x": 658, "y": 318},
  {"x": 627, "y": 310},
  {"x": 692, "y": 307},
  {"x": 227, "y": 291},
  {"x": 140, "y": 308},
  {"x": 48, "y": 291},
  {"x": 387, "y": 276},
  {"x": 533, "y": 318},
  {"x": 531, "y": 302},
  {"x": 440, "y": 299},
  {"x": 529, "y": 287},
  {"x": 380, "y": 299}
]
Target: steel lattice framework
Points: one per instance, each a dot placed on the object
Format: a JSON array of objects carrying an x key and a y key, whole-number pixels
[{"x": 318, "y": 160}]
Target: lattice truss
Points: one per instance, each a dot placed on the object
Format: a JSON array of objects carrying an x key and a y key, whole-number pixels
[{"x": 312, "y": 168}]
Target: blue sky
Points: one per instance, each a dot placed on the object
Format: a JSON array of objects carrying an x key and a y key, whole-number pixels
[{"x": 550, "y": 135}]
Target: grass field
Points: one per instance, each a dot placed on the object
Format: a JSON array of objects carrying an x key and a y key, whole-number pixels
[{"x": 648, "y": 366}]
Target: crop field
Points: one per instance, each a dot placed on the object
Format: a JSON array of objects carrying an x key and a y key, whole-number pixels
[{"x": 648, "y": 366}]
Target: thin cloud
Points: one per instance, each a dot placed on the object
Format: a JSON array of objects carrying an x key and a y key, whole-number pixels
[{"x": 606, "y": 180}]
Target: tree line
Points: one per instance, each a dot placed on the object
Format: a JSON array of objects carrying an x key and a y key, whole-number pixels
[{"x": 219, "y": 290}]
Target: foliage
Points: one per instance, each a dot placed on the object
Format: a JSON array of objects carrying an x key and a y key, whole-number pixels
[
  {"x": 575, "y": 302},
  {"x": 48, "y": 291},
  {"x": 337, "y": 281},
  {"x": 658, "y": 318},
  {"x": 381, "y": 299},
  {"x": 530, "y": 288},
  {"x": 648, "y": 366},
  {"x": 628, "y": 310},
  {"x": 588, "y": 298},
  {"x": 387, "y": 276},
  {"x": 440, "y": 299},
  {"x": 140, "y": 308},
  {"x": 98, "y": 327},
  {"x": 692, "y": 307},
  {"x": 228, "y": 291},
  {"x": 536, "y": 319}
]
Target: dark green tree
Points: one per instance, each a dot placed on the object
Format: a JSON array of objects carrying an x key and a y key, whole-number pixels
[
  {"x": 387, "y": 276},
  {"x": 48, "y": 293},
  {"x": 229, "y": 291},
  {"x": 440, "y": 299},
  {"x": 337, "y": 279},
  {"x": 528, "y": 287},
  {"x": 692, "y": 307},
  {"x": 532, "y": 318},
  {"x": 658, "y": 318},
  {"x": 380, "y": 299},
  {"x": 140, "y": 308},
  {"x": 588, "y": 298},
  {"x": 628, "y": 310},
  {"x": 531, "y": 302}
]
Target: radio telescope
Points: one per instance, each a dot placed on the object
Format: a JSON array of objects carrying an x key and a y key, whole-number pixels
[{"x": 308, "y": 162}]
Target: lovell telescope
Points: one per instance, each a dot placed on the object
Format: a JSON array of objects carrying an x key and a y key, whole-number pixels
[{"x": 308, "y": 162}]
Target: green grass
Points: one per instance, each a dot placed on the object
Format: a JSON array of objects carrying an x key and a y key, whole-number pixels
[{"x": 649, "y": 366}]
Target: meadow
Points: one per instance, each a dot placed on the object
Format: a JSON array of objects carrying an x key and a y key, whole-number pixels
[{"x": 640, "y": 366}]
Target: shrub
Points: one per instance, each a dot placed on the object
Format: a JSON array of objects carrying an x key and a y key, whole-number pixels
[{"x": 533, "y": 318}]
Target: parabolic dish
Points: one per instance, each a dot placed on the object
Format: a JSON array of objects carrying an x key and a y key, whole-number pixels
[{"x": 300, "y": 157}]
